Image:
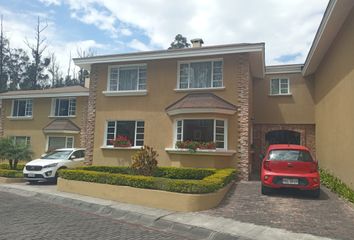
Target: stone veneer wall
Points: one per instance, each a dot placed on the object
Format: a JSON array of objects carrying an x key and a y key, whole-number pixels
[
  {"x": 83, "y": 127},
  {"x": 91, "y": 114},
  {"x": 243, "y": 114}
]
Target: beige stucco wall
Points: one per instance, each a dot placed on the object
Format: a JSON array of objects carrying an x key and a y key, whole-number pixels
[
  {"x": 34, "y": 127},
  {"x": 334, "y": 81},
  {"x": 298, "y": 108},
  {"x": 161, "y": 82}
]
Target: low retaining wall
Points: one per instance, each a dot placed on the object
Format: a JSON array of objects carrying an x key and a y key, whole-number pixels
[
  {"x": 147, "y": 197},
  {"x": 11, "y": 180}
]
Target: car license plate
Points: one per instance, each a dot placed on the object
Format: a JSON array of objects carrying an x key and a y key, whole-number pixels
[
  {"x": 31, "y": 175},
  {"x": 290, "y": 181}
]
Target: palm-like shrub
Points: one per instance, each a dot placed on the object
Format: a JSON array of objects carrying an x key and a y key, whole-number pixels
[
  {"x": 144, "y": 162},
  {"x": 14, "y": 152}
]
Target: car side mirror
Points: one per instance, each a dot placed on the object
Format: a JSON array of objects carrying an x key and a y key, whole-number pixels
[{"x": 72, "y": 157}]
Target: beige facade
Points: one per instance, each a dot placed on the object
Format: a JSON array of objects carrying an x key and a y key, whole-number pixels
[
  {"x": 162, "y": 80},
  {"x": 334, "y": 96},
  {"x": 42, "y": 115}
]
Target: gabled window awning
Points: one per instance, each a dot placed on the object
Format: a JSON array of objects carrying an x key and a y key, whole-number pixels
[
  {"x": 61, "y": 126},
  {"x": 201, "y": 103}
]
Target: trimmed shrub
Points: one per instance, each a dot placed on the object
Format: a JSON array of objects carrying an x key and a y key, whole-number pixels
[
  {"x": 19, "y": 167},
  {"x": 336, "y": 185},
  {"x": 214, "y": 180},
  {"x": 10, "y": 173}
]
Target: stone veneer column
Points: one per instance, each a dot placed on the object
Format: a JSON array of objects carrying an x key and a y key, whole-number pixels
[
  {"x": 243, "y": 85},
  {"x": 91, "y": 114},
  {"x": 2, "y": 118},
  {"x": 83, "y": 127}
]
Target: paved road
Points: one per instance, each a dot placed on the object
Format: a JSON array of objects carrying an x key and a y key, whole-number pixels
[
  {"x": 328, "y": 216},
  {"x": 30, "y": 219}
]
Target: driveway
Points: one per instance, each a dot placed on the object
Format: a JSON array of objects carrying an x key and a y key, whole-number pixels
[{"x": 327, "y": 216}]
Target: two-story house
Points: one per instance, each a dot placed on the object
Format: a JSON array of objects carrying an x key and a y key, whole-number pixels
[{"x": 46, "y": 119}]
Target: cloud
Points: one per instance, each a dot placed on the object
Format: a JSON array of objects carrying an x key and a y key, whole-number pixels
[
  {"x": 138, "y": 45},
  {"x": 287, "y": 27},
  {"x": 51, "y": 2}
]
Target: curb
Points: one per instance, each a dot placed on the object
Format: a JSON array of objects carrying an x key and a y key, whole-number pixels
[{"x": 192, "y": 225}]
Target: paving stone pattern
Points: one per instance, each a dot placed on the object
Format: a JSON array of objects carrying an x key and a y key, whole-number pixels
[
  {"x": 30, "y": 219},
  {"x": 328, "y": 216}
]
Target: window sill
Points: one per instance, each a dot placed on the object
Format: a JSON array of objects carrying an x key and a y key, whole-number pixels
[
  {"x": 19, "y": 118},
  {"x": 121, "y": 148},
  {"x": 125, "y": 93},
  {"x": 199, "y": 89},
  {"x": 216, "y": 152},
  {"x": 73, "y": 116},
  {"x": 280, "y": 95}
]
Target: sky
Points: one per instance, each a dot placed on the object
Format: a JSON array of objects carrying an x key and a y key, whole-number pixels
[{"x": 287, "y": 27}]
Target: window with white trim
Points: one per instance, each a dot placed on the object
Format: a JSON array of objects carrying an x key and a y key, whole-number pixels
[
  {"x": 22, "y": 108},
  {"x": 132, "y": 130},
  {"x": 64, "y": 107},
  {"x": 55, "y": 142},
  {"x": 21, "y": 140},
  {"x": 127, "y": 78},
  {"x": 202, "y": 130},
  {"x": 201, "y": 74},
  {"x": 279, "y": 86}
]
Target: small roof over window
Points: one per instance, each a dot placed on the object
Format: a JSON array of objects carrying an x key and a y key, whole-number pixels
[
  {"x": 61, "y": 126},
  {"x": 201, "y": 103}
]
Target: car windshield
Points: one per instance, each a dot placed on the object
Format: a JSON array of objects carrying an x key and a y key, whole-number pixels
[
  {"x": 57, "y": 155},
  {"x": 290, "y": 155}
]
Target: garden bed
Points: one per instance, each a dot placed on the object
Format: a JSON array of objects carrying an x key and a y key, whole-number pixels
[
  {"x": 178, "y": 189},
  {"x": 11, "y": 176}
]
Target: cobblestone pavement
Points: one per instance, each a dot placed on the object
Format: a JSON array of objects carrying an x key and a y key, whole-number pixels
[
  {"x": 327, "y": 216},
  {"x": 30, "y": 219}
]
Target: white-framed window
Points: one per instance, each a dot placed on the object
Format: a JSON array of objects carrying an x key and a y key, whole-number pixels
[
  {"x": 55, "y": 142},
  {"x": 200, "y": 74},
  {"x": 64, "y": 107},
  {"x": 21, "y": 140},
  {"x": 279, "y": 86},
  {"x": 202, "y": 130},
  {"x": 127, "y": 78},
  {"x": 132, "y": 130},
  {"x": 22, "y": 108}
]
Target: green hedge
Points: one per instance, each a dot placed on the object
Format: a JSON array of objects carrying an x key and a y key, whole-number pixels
[
  {"x": 10, "y": 173},
  {"x": 336, "y": 185},
  {"x": 164, "y": 172},
  {"x": 7, "y": 166},
  {"x": 214, "y": 180}
]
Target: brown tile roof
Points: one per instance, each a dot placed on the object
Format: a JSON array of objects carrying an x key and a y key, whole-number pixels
[
  {"x": 61, "y": 90},
  {"x": 61, "y": 125},
  {"x": 200, "y": 101}
]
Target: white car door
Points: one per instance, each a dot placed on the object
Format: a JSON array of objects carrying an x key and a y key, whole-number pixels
[{"x": 79, "y": 159}]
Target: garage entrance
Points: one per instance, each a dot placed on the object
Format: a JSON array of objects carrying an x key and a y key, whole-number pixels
[{"x": 282, "y": 137}]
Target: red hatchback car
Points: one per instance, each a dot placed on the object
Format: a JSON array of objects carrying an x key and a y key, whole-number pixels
[{"x": 290, "y": 166}]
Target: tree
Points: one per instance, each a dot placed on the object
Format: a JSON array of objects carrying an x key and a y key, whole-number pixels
[
  {"x": 83, "y": 73},
  {"x": 35, "y": 71},
  {"x": 179, "y": 42},
  {"x": 14, "y": 152},
  {"x": 3, "y": 51},
  {"x": 54, "y": 70},
  {"x": 17, "y": 63}
]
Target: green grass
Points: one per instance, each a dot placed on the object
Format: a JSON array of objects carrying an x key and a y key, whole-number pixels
[{"x": 336, "y": 185}]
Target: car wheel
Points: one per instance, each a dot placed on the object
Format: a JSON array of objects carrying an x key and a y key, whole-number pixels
[
  {"x": 315, "y": 193},
  {"x": 266, "y": 190}
]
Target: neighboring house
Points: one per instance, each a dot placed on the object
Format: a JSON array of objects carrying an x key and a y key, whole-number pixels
[{"x": 46, "y": 119}]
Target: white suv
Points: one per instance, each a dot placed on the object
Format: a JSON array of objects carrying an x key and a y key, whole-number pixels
[{"x": 45, "y": 168}]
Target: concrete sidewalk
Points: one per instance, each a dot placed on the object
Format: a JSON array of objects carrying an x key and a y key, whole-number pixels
[{"x": 191, "y": 225}]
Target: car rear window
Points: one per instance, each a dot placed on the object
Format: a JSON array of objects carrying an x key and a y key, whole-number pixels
[{"x": 290, "y": 155}]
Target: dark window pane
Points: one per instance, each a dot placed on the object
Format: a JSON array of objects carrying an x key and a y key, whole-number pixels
[
  {"x": 139, "y": 143},
  {"x": 64, "y": 107},
  {"x": 198, "y": 130},
  {"x": 126, "y": 128},
  {"x": 21, "y": 108}
]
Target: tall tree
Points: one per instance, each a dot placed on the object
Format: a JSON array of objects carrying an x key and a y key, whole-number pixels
[
  {"x": 36, "y": 77},
  {"x": 179, "y": 42},
  {"x": 3, "y": 51},
  {"x": 54, "y": 70},
  {"x": 17, "y": 64}
]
